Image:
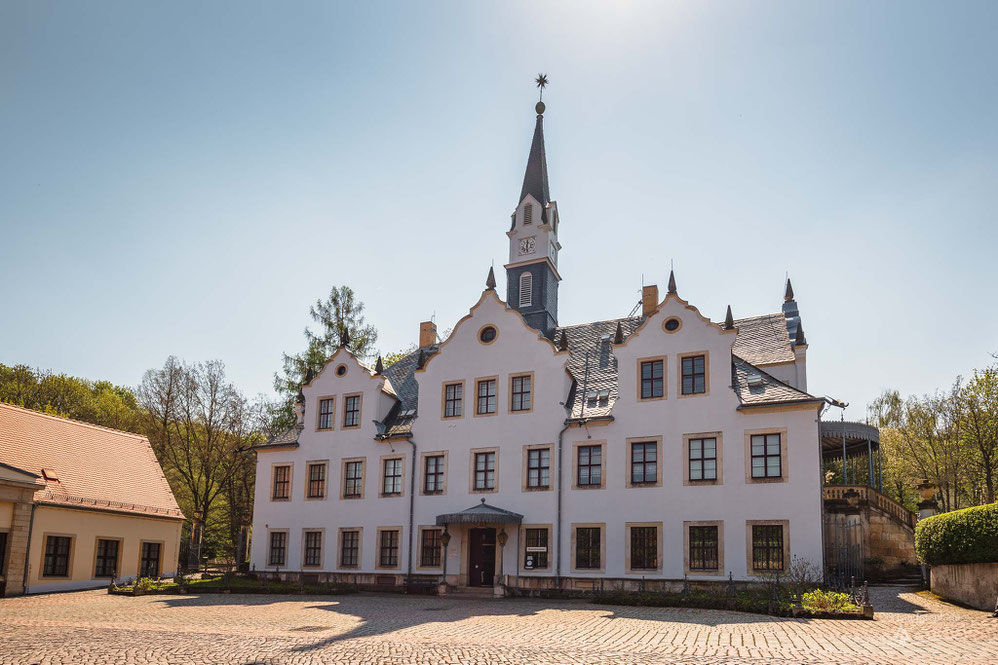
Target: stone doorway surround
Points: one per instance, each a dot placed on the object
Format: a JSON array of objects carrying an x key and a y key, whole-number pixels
[{"x": 17, "y": 489}]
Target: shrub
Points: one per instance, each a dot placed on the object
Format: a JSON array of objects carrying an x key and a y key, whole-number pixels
[
  {"x": 961, "y": 536},
  {"x": 828, "y": 601}
]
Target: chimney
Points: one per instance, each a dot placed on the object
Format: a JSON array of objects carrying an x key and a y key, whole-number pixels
[
  {"x": 427, "y": 333},
  {"x": 649, "y": 299}
]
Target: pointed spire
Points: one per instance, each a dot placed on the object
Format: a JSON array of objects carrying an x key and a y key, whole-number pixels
[
  {"x": 490, "y": 281},
  {"x": 535, "y": 179},
  {"x": 344, "y": 337},
  {"x": 379, "y": 367},
  {"x": 799, "y": 339},
  {"x": 421, "y": 360},
  {"x": 309, "y": 375},
  {"x": 563, "y": 342},
  {"x": 672, "y": 281},
  {"x": 729, "y": 321},
  {"x": 788, "y": 295},
  {"x": 301, "y": 397},
  {"x": 618, "y": 338}
]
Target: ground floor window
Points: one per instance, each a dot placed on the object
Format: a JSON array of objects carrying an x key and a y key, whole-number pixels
[
  {"x": 587, "y": 548},
  {"x": 149, "y": 563},
  {"x": 57, "y": 556},
  {"x": 535, "y": 554},
  {"x": 703, "y": 547},
  {"x": 389, "y": 549},
  {"x": 107, "y": 558},
  {"x": 767, "y": 547},
  {"x": 313, "y": 548},
  {"x": 278, "y": 548},
  {"x": 350, "y": 549},
  {"x": 429, "y": 555},
  {"x": 644, "y": 548}
]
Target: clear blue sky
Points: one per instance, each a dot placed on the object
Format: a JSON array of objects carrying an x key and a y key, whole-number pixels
[{"x": 186, "y": 178}]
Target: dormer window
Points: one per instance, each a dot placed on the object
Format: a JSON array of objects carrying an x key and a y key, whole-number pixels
[
  {"x": 526, "y": 289},
  {"x": 528, "y": 214}
]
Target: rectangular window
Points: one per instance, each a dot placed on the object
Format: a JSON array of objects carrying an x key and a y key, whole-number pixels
[
  {"x": 107, "y": 559},
  {"x": 590, "y": 466},
  {"x": 393, "y": 477},
  {"x": 539, "y": 468},
  {"x": 353, "y": 479},
  {"x": 587, "y": 548},
  {"x": 526, "y": 290},
  {"x": 485, "y": 471},
  {"x": 651, "y": 379},
  {"x": 389, "y": 556},
  {"x": 350, "y": 549},
  {"x": 351, "y": 411},
  {"x": 57, "y": 556},
  {"x": 278, "y": 548},
  {"x": 149, "y": 562},
  {"x": 694, "y": 375},
  {"x": 536, "y": 553},
  {"x": 644, "y": 463},
  {"x": 703, "y": 459},
  {"x": 767, "y": 547},
  {"x": 766, "y": 459},
  {"x": 326, "y": 413},
  {"x": 433, "y": 474},
  {"x": 486, "y": 397},
  {"x": 521, "y": 393},
  {"x": 316, "y": 481},
  {"x": 313, "y": 548},
  {"x": 644, "y": 548},
  {"x": 453, "y": 400},
  {"x": 703, "y": 548},
  {"x": 429, "y": 551},
  {"x": 282, "y": 483}
]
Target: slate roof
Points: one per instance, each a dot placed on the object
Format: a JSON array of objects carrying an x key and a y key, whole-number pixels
[
  {"x": 602, "y": 375},
  {"x": 481, "y": 513},
  {"x": 399, "y": 420},
  {"x": 535, "y": 178},
  {"x": 763, "y": 340},
  {"x": 86, "y": 465},
  {"x": 288, "y": 437},
  {"x": 768, "y": 391}
]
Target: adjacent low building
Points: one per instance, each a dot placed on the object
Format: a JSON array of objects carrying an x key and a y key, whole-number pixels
[
  {"x": 527, "y": 454},
  {"x": 80, "y": 505}
]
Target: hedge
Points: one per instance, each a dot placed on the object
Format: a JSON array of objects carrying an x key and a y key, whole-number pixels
[{"x": 961, "y": 536}]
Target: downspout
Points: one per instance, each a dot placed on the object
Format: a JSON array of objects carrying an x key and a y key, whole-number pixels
[
  {"x": 27, "y": 549},
  {"x": 561, "y": 476},
  {"x": 412, "y": 509}
]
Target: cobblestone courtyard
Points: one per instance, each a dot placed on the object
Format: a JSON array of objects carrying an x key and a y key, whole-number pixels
[{"x": 93, "y": 627}]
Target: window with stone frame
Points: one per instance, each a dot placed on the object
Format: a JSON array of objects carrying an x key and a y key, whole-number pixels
[
  {"x": 485, "y": 470},
  {"x": 453, "y": 400},
  {"x": 326, "y": 413},
  {"x": 587, "y": 547},
  {"x": 106, "y": 564},
  {"x": 433, "y": 474},
  {"x": 351, "y": 411},
  {"x": 429, "y": 551},
  {"x": 521, "y": 393},
  {"x": 313, "y": 548},
  {"x": 278, "y": 548},
  {"x": 149, "y": 561},
  {"x": 644, "y": 548},
  {"x": 389, "y": 549},
  {"x": 703, "y": 458},
  {"x": 767, "y": 461},
  {"x": 57, "y": 550},
  {"x": 353, "y": 479},
  {"x": 392, "y": 481},
  {"x": 652, "y": 379},
  {"x": 350, "y": 549},
  {"x": 644, "y": 463},
  {"x": 486, "y": 397},
  {"x": 767, "y": 547},
  {"x": 703, "y": 543},
  {"x": 281, "y": 490},
  {"x": 694, "y": 375},
  {"x": 535, "y": 548},
  {"x": 317, "y": 480}
]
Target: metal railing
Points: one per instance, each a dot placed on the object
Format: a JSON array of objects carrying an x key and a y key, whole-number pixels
[{"x": 874, "y": 498}]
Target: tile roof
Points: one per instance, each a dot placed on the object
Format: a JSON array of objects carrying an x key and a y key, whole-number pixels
[
  {"x": 288, "y": 437},
  {"x": 763, "y": 340},
  {"x": 768, "y": 391},
  {"x": 602, "y": 371},
  {"x": 97, "y": 467}
]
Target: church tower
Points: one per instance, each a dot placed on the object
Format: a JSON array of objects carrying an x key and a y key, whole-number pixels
[{"x": 532, "y": 272}]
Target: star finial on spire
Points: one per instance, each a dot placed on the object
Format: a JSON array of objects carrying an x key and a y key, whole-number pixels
[{"x": 542, "y": 82}]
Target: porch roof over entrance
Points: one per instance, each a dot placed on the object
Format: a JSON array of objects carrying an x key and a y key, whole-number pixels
[{"x": 483, "y": 513}]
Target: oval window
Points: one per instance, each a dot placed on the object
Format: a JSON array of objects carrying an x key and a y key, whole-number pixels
[
  {"x": 341, "y": 370},
  {"x": 672, "y": 325},
  {"x": 487, "y": 334}
]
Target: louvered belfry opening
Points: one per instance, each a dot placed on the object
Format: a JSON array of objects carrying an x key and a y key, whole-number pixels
[{"x": 526, "y": 289}]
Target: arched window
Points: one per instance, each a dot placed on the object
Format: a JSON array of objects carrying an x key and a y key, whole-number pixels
[
  {"x": 528, "y": 214},
  {"x": 526, "y": 289}
]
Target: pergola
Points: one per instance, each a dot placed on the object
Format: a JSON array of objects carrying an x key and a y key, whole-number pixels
[{"x": 843, "y": 441}]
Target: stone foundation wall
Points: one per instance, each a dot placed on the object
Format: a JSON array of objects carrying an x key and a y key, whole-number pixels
[
  {"x": 972, "y": 584},
  {"x": 889, "y": 540}
]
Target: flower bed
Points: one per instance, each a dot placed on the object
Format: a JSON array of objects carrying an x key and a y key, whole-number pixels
[
  {"x": 238, "y": 585},
  {"x": 817, "y": 604}
]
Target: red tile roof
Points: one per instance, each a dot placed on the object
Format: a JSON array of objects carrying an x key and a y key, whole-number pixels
[{"x": 97, "y": 467}]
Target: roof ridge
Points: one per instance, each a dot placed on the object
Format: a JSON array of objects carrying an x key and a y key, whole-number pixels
[
  {"x": 589, "y": 323},
  {"x": 73, "y": 420},
  {"x": 760, "y": 316}
]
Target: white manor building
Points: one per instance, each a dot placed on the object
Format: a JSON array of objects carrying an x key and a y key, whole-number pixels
[{"x": 525, "y": 453}]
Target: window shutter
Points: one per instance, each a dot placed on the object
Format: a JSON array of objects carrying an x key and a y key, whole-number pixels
[{"x": 526, "y": 289}]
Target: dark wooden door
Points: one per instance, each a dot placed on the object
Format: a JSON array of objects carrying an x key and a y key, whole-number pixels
[{"x": 481, "y": 557}]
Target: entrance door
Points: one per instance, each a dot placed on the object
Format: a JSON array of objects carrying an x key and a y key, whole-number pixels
[{"x": 481, "y": 557}]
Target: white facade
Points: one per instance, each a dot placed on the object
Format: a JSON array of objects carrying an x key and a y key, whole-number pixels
[{"x": 635, "y": 404}]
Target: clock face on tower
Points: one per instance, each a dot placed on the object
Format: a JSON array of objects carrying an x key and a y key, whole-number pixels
[{"x": 527, "y": 245}]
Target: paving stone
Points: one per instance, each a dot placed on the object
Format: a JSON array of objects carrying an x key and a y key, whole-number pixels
[{"x": 92, "y": 627}]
